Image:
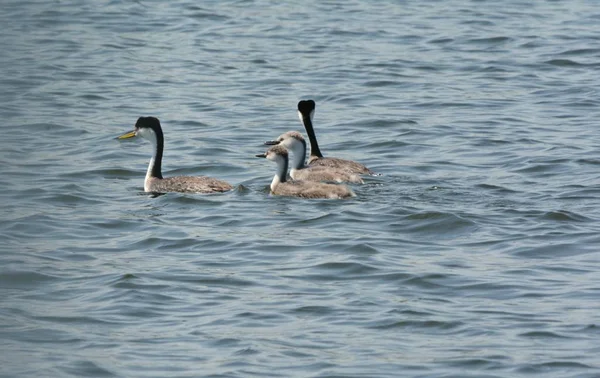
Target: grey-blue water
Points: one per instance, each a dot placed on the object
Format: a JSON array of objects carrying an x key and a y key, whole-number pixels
[{"x": 476, "y": 253}]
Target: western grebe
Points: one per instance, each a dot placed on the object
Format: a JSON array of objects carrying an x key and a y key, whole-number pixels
[
  {"x": 149, "y": 128},
  {"x": 293, "y": 141},
  {"x": 306, "y": 189},
  {"x": 306, "y": 111}
]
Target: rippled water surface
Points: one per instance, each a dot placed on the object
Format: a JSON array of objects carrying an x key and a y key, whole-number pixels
[{"x": 475, "y": 253}]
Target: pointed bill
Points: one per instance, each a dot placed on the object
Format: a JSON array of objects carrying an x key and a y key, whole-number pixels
[{"x": 128, "y": 135}]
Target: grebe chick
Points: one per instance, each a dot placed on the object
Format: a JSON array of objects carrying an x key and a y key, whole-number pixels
[
  {"x": 294, "y": 142},
  {"x": 305, "y": 189},
  {"x": 306, "y": 111},
  {"x": 149, "y": 128}
]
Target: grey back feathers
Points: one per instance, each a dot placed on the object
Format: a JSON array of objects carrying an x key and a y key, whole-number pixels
[
  {"x": 343, "y": 164},
  {"x": 310, "y": 189},
  {"x": 325, "y": 174},
  {"x": 187, "y": 184}
]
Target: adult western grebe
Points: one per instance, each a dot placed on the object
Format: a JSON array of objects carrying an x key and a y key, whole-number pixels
[
  {"x": 306, "y": 189},
  {"x": 149, "y": 128},
  {"x": 293, "y": 141},
  {"x": 306, "y": 111}
]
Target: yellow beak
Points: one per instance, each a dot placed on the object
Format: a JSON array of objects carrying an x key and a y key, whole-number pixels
[{"x": 130, "y": 134}]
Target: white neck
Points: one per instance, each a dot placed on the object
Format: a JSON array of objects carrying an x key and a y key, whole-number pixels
[
  {"x": 149, "y": 174},
  {"x": 299, "y": 152},
  {"x": 280, "y": 176},
  {"x": 151, "y": 164},
  {"x": 276, "y": 181}
]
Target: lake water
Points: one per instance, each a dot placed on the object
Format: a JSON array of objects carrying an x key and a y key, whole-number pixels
[{"x": 476, "y": 253}]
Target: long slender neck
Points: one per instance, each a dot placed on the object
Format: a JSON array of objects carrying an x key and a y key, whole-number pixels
[
  {"x": 314, "y": 146},
  {"x": 281, "y": 175},
  {"x": 154, "y": 168},
  {"x": 298, "y": 148}
]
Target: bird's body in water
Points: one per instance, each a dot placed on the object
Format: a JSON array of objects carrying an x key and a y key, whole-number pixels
[
  {"x": 149, "y": 128},
  {"x": 306, "y": 111},
  {"x": 305, "y": 189},
  {"x": 294, "y": 142}
]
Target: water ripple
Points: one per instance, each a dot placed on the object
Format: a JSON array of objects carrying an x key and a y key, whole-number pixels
[{"x": 475, "y": 247}]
